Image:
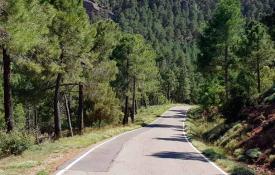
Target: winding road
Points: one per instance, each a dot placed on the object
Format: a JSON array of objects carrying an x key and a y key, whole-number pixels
[{"x": 161, "y": 148}]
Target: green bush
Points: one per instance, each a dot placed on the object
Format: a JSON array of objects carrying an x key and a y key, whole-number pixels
[
  {"x": 213, "y": 154},
  {"x": 239, "y": 154},
  {"x": 242, "y": 171},
  {"x": 14, "y": 143},
  {"x": 216, "y": 132},
  {"x": 253, "y": 153}
]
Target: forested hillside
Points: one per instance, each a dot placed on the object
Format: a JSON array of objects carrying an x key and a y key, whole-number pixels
[{"x": 173, "y": 27}]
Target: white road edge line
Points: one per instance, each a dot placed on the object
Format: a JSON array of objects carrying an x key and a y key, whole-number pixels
[
  {"x": 212, "y": 163},
  {"x": 60, "y": 172}
]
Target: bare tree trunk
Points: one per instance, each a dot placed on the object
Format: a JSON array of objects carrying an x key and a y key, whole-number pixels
[
  {"x": 133, "y": 101},
  {"x": 80, "y": 109},
  {"x": 258, "y": 75},
  {"x": 8, "y": 105},
  {"x": 68, "y": 113},
  {"x": 57, "y": 117},
  {"x": 226, "y": 73}
]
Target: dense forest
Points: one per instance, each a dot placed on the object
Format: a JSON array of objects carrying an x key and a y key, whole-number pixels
[
  {"x": 173, "y": 29},
  {"x": 65, "y": 69},
  {"x": 60, "y": 72}
]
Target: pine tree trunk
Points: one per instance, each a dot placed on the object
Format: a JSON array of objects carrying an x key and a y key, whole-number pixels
[
  {"x": 36, "y": 126},
  {"x": 99, "y": 123},
  {"x": 80, "y": 109},
  {"x": 258, "y": 75},
  {"x": 133, "y": 101},
  {"x": 8, "y": 105},
  {"x": 144, "y": 101},
  {"x": 136, "y": 107},
  {"x": 126, "y": 111},
  {"x": 226, "y": 73},
  {"x": 57, "y": 117},
  {"x": 68, "y": 113},
  {"x": 28, "y": 119},
  {"x": 168, "y": 92}
]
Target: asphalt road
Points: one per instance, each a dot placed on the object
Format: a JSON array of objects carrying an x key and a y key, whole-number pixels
[{"x": 158, "y": 149}]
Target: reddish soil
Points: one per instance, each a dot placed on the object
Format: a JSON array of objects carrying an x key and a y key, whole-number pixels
[{"x": 261, "y": 120}]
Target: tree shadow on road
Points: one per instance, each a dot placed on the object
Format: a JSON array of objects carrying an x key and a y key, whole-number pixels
[
  {"x": 180, "y": 155},
  {"x": 163, "y": 126},
  {"x": 175, "y": 138},
  {"x": 183, "y": 112},
  {"x": 174, "y": 116}
]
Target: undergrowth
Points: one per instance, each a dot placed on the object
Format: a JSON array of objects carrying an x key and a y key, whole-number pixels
[{"x": 219, "y": 140}]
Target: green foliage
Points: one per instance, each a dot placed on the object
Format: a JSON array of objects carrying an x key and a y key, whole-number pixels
[
  {"x": 171, "y": 27},
  {"x": 14, "y": 143},
  {"x": 23, "y": 24},
  {"x": 253, "y": 153},
  {"x": 242, "y": 171},
  {"x": 239, "y": 153},
  {"x": 267, "y": 77},
  {"x": 136, "y": 62},
  {"x": 213, "y": 154},
  {"x": 211, "y": 94}
]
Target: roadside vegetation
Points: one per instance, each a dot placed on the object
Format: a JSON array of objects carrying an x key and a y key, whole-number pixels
[
  {"x": 235, "y": 124},
  {"x": 236, "y": 147},
  {"x": 202, "y": 136},
  {"x": 44, "y": 158},
  {"x": 245, "y": 145}
]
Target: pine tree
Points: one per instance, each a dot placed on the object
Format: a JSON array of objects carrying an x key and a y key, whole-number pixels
[
  {"x": 71, "y": 29},
  {"x": 21, "y": 29},
  {"x": 136, "y": 63},
  {"x": 258, "y": 48},
  {"x": 220, "y": 38}
]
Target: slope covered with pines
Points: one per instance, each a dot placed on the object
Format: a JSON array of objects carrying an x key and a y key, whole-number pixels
[{"x": 173, "y": 27}]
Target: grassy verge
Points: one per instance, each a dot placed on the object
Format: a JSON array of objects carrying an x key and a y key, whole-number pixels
[
  {"x": 45, "y": 158},
  {"x": 206, "y": 136}
]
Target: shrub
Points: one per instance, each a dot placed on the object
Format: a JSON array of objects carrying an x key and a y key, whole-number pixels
[
  {"x": 213, "y": 154},
  {"x": 242, "y": 171},
  {"x": 216, "y": 132},
  {"x": 14, "y": 143},
  {"x": 239, "y": 153},
  {"x": 253, "y": 153}
]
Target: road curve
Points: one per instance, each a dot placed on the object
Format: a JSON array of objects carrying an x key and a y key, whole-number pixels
[{"x": 158, "y": 149}]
